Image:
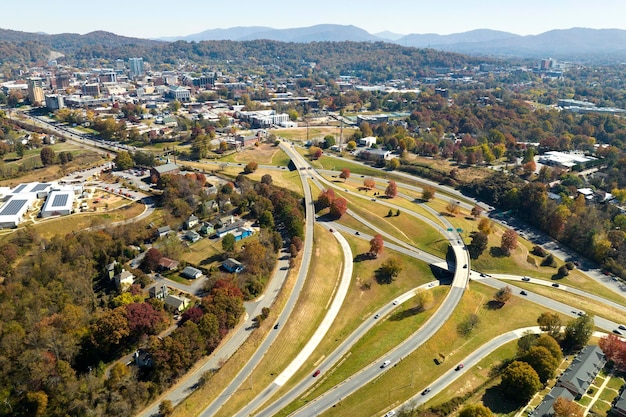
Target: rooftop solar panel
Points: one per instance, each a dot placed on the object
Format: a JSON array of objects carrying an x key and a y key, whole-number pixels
[
  {"x": 19, "y": 188},
  {"x": 60, "y": 200},
  {"x": 40, "y": 187},
  {"x": 12, "y": 207}
]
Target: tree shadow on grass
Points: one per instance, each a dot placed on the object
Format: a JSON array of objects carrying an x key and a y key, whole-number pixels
[
  {"x": 362, "y": 257},
  {"x": 494, "y": 305},
  {"x": 498, "y": 402},
  {"x": 211, "y": 259},
  {"x": 497, "y": 252},
  {"x": 405, "y": 314}
]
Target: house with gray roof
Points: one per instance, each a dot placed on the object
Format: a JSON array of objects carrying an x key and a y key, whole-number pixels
[
  {"x": 582, "y": 371},
  {"x": 166, "y": 169},
  {"x": 619, "y": 406},
  {"x": 191, "y": 273},
  {"x": 176, "y": 303},
  {"x": 545, "y": 409}
]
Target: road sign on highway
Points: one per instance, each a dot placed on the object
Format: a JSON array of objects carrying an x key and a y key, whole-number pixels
[
  {"x": 459, "y": 230},
  {"x": 450, "y": 229}
]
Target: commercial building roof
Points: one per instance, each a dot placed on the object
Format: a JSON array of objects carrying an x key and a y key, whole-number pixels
[
  {"x": 13, "y": 206},
  {"x": 58, "y": 202}
]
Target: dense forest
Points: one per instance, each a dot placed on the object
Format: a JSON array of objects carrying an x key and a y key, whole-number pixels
[{"x": 64, "y": 325}]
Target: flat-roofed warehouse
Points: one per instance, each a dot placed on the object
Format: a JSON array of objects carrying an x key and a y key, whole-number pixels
[
  {"x": 13, "y": 210},
  {"x": 58, "y": 203}
]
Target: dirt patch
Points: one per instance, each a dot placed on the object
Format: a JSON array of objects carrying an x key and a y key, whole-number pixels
[{"x": 261, "y": 154}]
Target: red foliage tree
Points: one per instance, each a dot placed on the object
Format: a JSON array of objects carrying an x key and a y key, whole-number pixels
[
  {"x": 369, "y": 183},
  {"x": 339, "y": 207},
  {"x": 376, "y": 246},
  {"x": 151, "y": 259},
  {"x": 392, "y": 189},
  {"x": 143, "y": 319},
  {"x": 325, "y": 199},
  {"x": 509, "y": 241},
  {"x": 194, "y": 314},
  {"x": 614, "y": 349},
  {"x": 345, "y": 174}
]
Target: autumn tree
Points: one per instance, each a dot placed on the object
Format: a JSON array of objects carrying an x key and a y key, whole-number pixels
[
  {"x": 325, "y": 199},
  {"x": 47, "y": 155},
  {"x": 567, "y": 408},
  {"x": 423, "y": 300},
  {"x": 476, "y": 410},
  {"x": 578, "y": 332},
  {"x": 166, "y": 408},
  {"x": 392, "y": 189},
  {"x": 509, "y": 241},
  {"x": 476, "y": 211},
  {"x": 150, "y": 261},
  {"x": 519, "y": 380},
  {"x": 503, "y": 295},
  {"x": 453, "y": 207},
  {"x": 388, "y": 271},
  {"x": 550, "y": 323},
  {"x": 485, "y": 225},
  {"x": 478, "y": 244},
  {"x": 614, "y": 349},
  {"x": 315, "y": 152},
  {"x": 377, "y": 245},
  {"x": 428, "y": 193},
  {"x": 551, "y": 344},
  {"x": 369, "y": 183},
  {"x": 338, "y": 207},
  {"x": 250, "y": 167},
  {"x": 345, "y": 174}
]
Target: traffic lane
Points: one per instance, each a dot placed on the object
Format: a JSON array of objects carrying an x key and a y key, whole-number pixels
[
  {"x": 365, "y": 375},
  {"x": 566, "y": 309}
]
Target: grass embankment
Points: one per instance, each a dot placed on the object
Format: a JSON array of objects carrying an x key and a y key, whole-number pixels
[
  {"x": 355, "y": 186},
  {"x": 365, "y": 296},
  {"x": 418, "y": 370},
  {"x": 404, "y": 227},
  {"x": 322, "y": 280},
  {"x": 76, "y": 222},
  {"x": 264, "y": 154}
]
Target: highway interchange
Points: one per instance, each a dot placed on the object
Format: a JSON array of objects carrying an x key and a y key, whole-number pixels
[{"x": 260, "y": 406}]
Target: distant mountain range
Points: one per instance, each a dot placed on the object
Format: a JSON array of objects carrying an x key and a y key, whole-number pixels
[
  {"x": 563, "y": 43},
  {"x": 576, "y": 44}
]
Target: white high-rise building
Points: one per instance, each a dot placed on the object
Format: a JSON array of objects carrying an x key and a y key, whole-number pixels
[{"x": 136, "y": 67}]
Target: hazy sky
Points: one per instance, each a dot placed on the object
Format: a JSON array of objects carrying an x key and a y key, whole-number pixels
[{"x": 156, "y": 18}]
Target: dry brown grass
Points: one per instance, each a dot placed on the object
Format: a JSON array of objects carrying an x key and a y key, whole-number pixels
[{"x": 325, "y": 271}]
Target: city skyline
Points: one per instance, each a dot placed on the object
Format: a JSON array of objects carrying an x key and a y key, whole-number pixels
[{"x": 158, "y": 19}]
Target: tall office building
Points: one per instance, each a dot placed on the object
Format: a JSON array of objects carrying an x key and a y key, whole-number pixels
[
  {"x": 136, "y": 67},
  {"x": 62, "y": 80},
  {"x": 35, "y": 91}
]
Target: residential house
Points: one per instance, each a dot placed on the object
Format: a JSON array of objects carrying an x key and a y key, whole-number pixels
[
  {"x": 163, "y": 231},
  {"x": 207, "y": 229},
  {"x": 168, "y": 264},
  {"x": 176, "y": 303},
  {"x": 158, "y": 291},
  {"x": 109, "y": 270},
  {"x": 191, "y": 273},
  {"x": 232, "y": 265},
  {"x": 582, "y": 371},
  {"x": 191, "y": 222},
  {"x": 619, "y": 406},
  {"x": 124, "y": 280},
  {"x": 229, "y": 228},
  {"x": 545, "y": 409},
  {"x": 242, "y": 232},
  {"x": 192, "y": 236},
  {"x": 226, "y": 220},
  {"x": 143, "y": 359}
]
